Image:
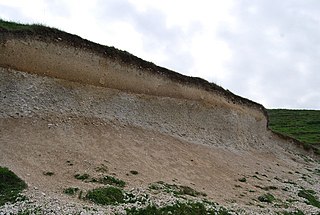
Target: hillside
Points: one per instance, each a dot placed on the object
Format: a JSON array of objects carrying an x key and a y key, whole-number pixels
[
  {"x": 303, "y": 125},
  {"x": 76, "y": 116}
]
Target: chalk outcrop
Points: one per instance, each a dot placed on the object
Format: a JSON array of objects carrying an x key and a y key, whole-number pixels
[{"x": 68, "y": 105}]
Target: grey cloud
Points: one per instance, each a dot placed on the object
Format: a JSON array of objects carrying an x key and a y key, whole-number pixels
[
  {"x": 277, "y": 43},
  {"x": 151, "y": 24}
]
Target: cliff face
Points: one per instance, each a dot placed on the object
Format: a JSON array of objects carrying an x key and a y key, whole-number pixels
[
  {"x": 70, "y": 106},
  {"x": 149, "y": 96}
]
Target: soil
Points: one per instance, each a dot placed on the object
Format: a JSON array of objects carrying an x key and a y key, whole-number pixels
[{"x": 67, "y": 126}]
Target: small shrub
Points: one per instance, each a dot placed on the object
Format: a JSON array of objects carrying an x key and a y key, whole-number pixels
[
  {"x": 309, "y": 195},
  {"x": 269, "y": 188},
  {"x": 106, "y": 196},
  {"x": 48, "y": 173},
  {"x": 176, "y": 189},
  {"x": 298, "y": 212},
  {"x": 102, "y": 168},
  {"x": 110, "y": 180},
  {"x": 133, "y": 172},
  {"x": 82, "y": 177},
  {"x": 242, "y": 179},
  {"x": 268, "y": 197},
  {"x": 190, "y": 208},
  {"x": 10, "y": 186},
  {"x": 71, "y": 191}
]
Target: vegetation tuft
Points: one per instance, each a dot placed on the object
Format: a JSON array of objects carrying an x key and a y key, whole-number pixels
[
  {"x": 10, "y": 186},
  {"x": 176, "y": 189},
  {"x": 268, "y": 197},
  {"x": 106, "y": 196},
  {"x": 309, "y": 195},
  {"x": 110, "y": 180},
  {"x": 48, "y": 173},
  {"x": 298, "y": 212},
  {"x": 71, "y": 191},
  {"x": 134, "y": 172},
  {"x": 189, "y": 208},
  {"x": 82, "y": 176},
  {"x": 14, "y": 26}
]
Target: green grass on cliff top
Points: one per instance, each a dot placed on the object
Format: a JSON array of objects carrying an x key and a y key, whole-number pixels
[
  {"x": 14, "y": 26},
  {"x": 303, "y": 125}
]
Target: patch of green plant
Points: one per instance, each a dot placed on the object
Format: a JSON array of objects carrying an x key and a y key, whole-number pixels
[
  {"x": 267, "y": 188},
  {"x": 106, "y": 196},
  {"x": 71, "y": 190},
  {"x": 102, "y": 168},
  {"x": 178, "y": 190},
  {"x": 268, "y": 197},
  {"x": 10, "y": 186},
  {"x": 303, "y": 125},
  {"x": 190, "y": 208},
  {"x": 82, "y": 176},
  {"x": 297, "y": 212},
  {"x": 242, "y": 179},
  {"x": 30, "y": 211},
  {"x": 134, "y": 172},
  {"x": 48, "y": 173},
  {"x": 309, "y": 195},
  {"x": 109, "y": 180},
  {"x": 14, "y": 26}
]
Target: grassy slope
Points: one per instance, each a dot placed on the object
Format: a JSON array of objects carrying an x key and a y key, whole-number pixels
[{"x": 303, "y": 125}]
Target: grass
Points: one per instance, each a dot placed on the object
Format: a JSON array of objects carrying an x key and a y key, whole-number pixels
[
  {"x": 14, "y": 26},
  {"x": 190, "y": 208},
  {"x": 134, "y": 172},
  {"x": 242, "y": 179},
  {"x": 48, "y": 173},
  {"x": 303, "y": 125},
  {"x": 10, "y": 186},
  {"x": 71, "y": 191},
  {"x": 297, "y": 212},
  {"x": 178, "y": 190},
  {"x": 109, "y": 180},
  {"x": 82, "y": 176},
  {"x": 309, "y": 195},
  {"x": 106, "y": 196},
  {"x": 268, "y": 198}
]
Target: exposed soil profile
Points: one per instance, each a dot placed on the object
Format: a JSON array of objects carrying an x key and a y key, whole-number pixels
[{"x": 70, "y": 106}]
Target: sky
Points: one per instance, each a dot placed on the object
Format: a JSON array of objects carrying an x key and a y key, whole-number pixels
[{"x": 264, "y": 50}]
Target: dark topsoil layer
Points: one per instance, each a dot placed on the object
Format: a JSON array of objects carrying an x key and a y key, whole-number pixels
[{"x": 53, "y": 35}]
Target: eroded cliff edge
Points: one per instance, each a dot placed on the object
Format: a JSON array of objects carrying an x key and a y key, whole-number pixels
[{"x": 53, "y": 53}]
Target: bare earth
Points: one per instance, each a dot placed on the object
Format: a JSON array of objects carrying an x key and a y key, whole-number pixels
[
  {"x": 50, "y": 125},
  {"x": 68, "y": 110}
]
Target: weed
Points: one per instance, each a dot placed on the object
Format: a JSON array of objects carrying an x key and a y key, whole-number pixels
[
  {"x": 82, "y": 177},
  {"x": 298, "y": 212},
  {"x": 309, "y": 195},
  {"x": 269, "y": 188},
  {"x": 242, "y": 179},
  {"x": 102, "y": 168},
  {"x": 175, "y": 189},
  {"x": 110, "y": 180},
  {"x": 10, "y": 186},
  {"x": 189, "y": 208},
  {"x": 268, "y": 197},
  {"x": 48, "y": 173},
  {"x": 106, "y": 196},
  {"x": 71, "y": 191},
  {"x": 133, "y": 172}
]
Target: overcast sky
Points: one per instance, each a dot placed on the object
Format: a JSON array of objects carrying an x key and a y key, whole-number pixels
[{"x": 264, "y": 50}]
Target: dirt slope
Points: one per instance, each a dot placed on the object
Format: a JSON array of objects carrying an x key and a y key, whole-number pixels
[{"x": 68, "y": 110}]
